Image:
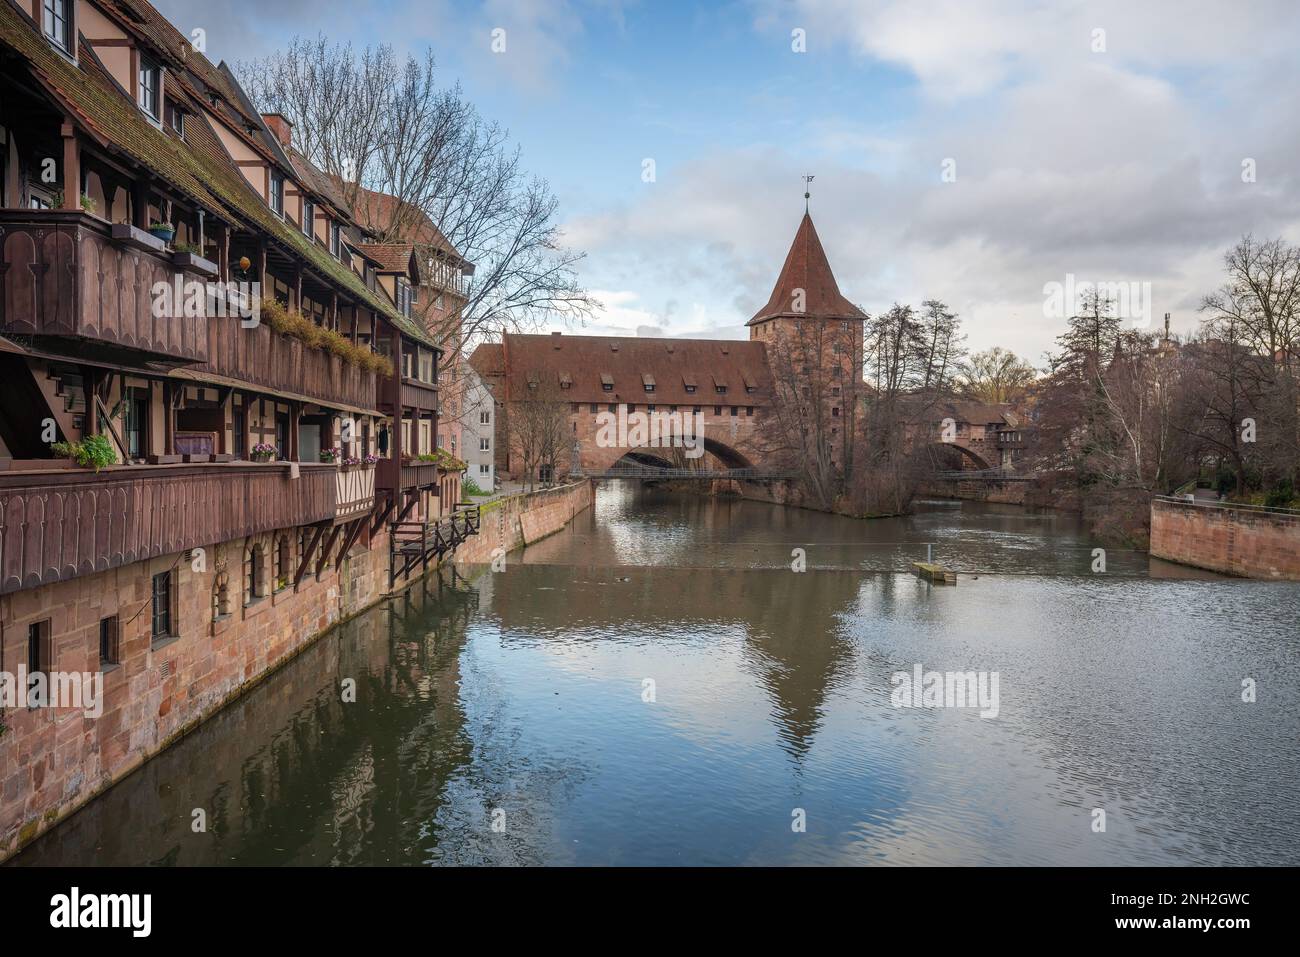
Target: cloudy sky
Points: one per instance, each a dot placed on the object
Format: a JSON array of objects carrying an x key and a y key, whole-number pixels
[{"x": 1111, "y": 141}]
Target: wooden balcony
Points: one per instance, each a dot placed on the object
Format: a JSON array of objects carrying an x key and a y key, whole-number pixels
[
  {"x": 59, "y": 524},
  {"x": 356, "y": 491},
  {"x": 411, "y": 475},
  {"x": 65, "y": 276},
  {"x": 259, "y": 356},
  {"x": 411, "y": 394}
]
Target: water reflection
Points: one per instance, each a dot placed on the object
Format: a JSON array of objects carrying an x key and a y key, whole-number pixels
[{"x": 525, "y": 698}]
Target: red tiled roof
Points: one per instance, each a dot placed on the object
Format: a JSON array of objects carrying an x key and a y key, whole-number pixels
[
  {"x": 488, "y": 359},
  {"x": 392, "y": 257},
  {"x": 671, "y": 363},
  {"x": 377, "y": 211},
  {"x": 807, "y": 269}
]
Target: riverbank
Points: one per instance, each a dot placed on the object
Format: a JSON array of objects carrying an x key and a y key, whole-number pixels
[
  {"x": 1240, "y": 540},
  {"x": 54, "y": 761}
]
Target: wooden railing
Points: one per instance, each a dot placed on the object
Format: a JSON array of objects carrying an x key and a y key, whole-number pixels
[
  {"x": 56, "y": 525},
  {"x": 356, "y": 491},
  {"x": 260, "y": 356},
  {"x": 419, "y": 395},
  {"x": 62, "y": 274}
]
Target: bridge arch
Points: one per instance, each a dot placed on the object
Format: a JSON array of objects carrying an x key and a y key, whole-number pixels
[
  {"x": 600, "y": 459},
  {"x": 965, "y": 452}
]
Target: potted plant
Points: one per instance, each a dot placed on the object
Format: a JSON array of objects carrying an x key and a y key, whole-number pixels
[
  {"x": 88, "y": 204},
  {"x": 161, "y": 230},
  {"x": 370, "y": 459},
  {"x": 263, "y": 452},
  {"x": 331, "y": 455},
  {"x": 94, "y": 451}
]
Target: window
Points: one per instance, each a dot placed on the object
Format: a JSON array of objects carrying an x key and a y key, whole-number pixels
[
  {"x": 107, "y": 641},
  {"x": 38, "y": 660},
  {"x": 308, "y": 217},
  {"x": 695, "y": 409},
  {"x": 58, "y": 23},
  {"x": 239, "y": 426},
  {"x": 220, "y": 597},
  {"x": 176, "y": 118},
  {"x": 734, "y": 412},
  {"x": 334, "y": 237},
  {"x": 484, "y": 468},
  {"x": 137, "y": 423},
  {"x": 690, "y": 389},
  {"x": 631, "y": 407},
  {"x": 282, "y": 435},
  {"x": 283, "y": 558},
  {"x": 276, "y": 199},
  {"x": 253, "y": 565},
  {"x": 749, "y": 411},
  {"x": 650, "y": 408},
  {"x": 721, "y": 389},
  {"x": 162, "y": 605},
  {"x": 835, "y": 410},
  {"x": 150, "y": 83},
  {"x": 717, "y": 410}
]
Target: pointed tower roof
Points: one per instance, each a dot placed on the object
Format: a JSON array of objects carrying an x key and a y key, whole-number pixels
[{"x": 806, "y": 268}]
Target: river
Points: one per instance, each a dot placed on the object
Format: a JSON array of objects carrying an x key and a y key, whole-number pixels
[{"x": 656, "y": 685}]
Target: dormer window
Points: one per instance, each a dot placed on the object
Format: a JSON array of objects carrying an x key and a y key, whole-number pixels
[
  {"x": 176, "y": 118},
  {"x": 58, "y": 23},
  {"x": 648, "y": 382},
  {"x": 308, "y": 217},
  {"x": 150, "y": 87},
  {"x": 276, "y": 199},
  {"x": 334, "y": 238},
  {"x": 606, "y": 382}
]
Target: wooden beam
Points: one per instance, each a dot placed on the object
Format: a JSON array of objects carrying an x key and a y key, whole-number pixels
[
  {"x": 381, "y": 516},
  {"x": 112, "y": 430},
  {"x": 306, "y": 556},
  {"x": 350, "y": 539},
  {"x": 325, "y": 549},
  {"x": 71, "y": 167}
]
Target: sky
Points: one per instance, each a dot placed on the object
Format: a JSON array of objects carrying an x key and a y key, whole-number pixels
[{"x": 973, "y": 151}]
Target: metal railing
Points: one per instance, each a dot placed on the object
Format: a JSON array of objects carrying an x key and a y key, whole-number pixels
[
  {"x": 651, "y": 472},
  {"x": 1237, "y": 506}
]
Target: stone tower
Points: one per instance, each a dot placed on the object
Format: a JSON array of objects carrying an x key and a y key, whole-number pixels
[{"x": 814, "y": 339}]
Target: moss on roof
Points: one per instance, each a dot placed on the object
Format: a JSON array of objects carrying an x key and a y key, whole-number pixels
[{"x": 198, "y": 166}]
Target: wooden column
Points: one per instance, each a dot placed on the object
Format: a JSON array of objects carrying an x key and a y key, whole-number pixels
[
  {"x": 90, "y": 387},
  {"x": 223, "y": 252},
  {"x": 295, "y": 413},
  {"x": 296, "y": 302},
  {"x": 169, "y": 420},
  {"x": 71, "y": 167},
  {"x": 334, "y": 311},
  {"x": 140, "y": 202},
  {"x": 262, "y": 278}
]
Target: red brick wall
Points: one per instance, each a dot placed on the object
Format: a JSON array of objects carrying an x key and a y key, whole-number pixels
[
  {"x": 1224, "y": 539},
  {"x": 54, "y": 760}
]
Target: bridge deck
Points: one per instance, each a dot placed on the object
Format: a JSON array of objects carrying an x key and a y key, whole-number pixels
[{"x": 649, "y": 472}]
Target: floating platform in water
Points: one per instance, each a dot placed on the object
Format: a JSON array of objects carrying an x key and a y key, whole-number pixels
[{"x": 936, "y": 574}]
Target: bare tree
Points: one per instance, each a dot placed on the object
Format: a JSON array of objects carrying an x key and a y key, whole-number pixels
[
  {"x": 374, "y": 122},
  {"x": 996, "y": 376},
  {"x": 941, "y": 343},
  {"x": 539, "y": 428}
]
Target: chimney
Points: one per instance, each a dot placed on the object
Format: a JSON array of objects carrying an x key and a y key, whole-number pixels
[
  {"x": 280, "y": 127},
  {"x": 555, "y": 339}
]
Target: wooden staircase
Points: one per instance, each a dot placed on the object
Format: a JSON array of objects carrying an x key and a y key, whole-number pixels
[{"x": 416, "y": 543}]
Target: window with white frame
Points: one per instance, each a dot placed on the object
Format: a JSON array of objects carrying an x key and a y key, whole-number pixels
[
  {"x": 58, "y": 23},
  {"x": 149, "y": 87}
]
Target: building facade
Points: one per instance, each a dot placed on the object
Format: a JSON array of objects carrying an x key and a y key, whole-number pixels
[
  {"x": 478, "y": 416},
  {"x": 216, "y": 398}
]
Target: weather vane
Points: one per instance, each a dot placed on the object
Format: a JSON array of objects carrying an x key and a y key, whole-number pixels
[{"x": 807, "y": 185}]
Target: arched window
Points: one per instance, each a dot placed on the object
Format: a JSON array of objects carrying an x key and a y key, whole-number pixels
[
  {"x": 283, "y": 559},
  {"x": 220, "y": 597},
  {"x": 254, "y": 564}
]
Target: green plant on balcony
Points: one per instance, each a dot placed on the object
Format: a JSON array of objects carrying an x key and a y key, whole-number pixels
[
  {"x": 443, "y": 459},
  {"x": 187, "y": 248},
  {"x": 161, "y": 230},
  {"x": 94, "y": 451},
  {"x": 290, "y": 322},
  {"x": 88, "y": 204}
]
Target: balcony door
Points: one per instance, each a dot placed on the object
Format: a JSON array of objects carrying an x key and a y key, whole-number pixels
[
  {"x": 309, "y": 442},
  {"x": 137, "y": 423}
]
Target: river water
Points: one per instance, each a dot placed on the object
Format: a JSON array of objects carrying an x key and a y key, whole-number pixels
[{"x": 656, "y": 685}]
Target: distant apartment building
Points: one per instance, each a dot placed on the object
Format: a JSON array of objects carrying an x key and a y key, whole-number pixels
[{"x": 479, "y": 419}]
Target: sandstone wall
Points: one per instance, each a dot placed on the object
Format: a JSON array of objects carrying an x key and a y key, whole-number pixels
[{"x": 1235, "y": 541}]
